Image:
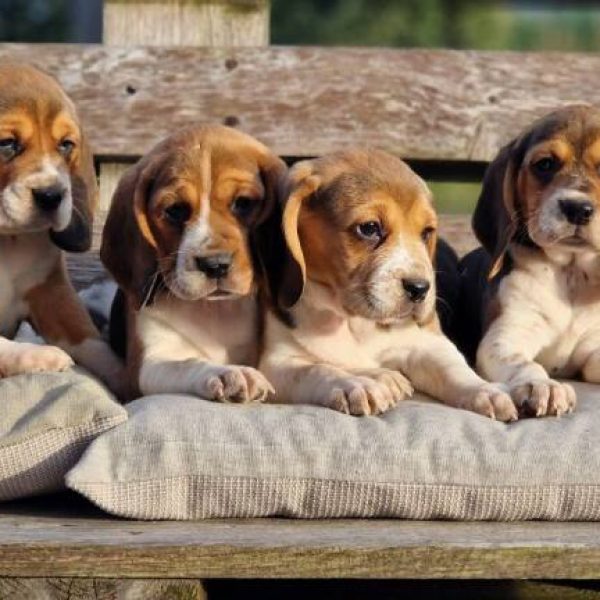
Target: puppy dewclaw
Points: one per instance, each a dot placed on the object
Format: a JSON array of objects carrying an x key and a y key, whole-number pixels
[{"x": 354, "y": 326}]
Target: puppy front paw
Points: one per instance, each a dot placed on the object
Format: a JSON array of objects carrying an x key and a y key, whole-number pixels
[
  {"x": 544, "y": 397},
  {"x": 362, "y": 395},
  {"x": 238, "y": 384},
  {"x": 491, "y": 400},
  {"x": 399, "y": 386},
  {"x": 22, "y": 357}
]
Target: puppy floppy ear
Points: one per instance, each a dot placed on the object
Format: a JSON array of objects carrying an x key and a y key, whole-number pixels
[
  {"x": 266, "y": 242},
  {"x": 495, "y": 220},
  {"x": 273, "y": 173},
  {"x": 77, "y": 235},
  {"x": 302, "y": 185},
  {"x": 128, "y": 248},
  {"x": 279, "y": 246}
]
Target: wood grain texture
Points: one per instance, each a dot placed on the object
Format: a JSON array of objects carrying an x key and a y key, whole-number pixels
[
  {"x": 69, "y": 538},
  {"x": 99, "y": 589},
  {"x": 186, "y": 23},
  {"x": 420, "y": 104}
]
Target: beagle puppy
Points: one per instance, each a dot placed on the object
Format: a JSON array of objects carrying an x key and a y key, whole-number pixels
[
  {"x": 180, "y": 242},
  {"x": 47, "y": 197},
  {"x": 535, "y": 284},
  {"x": 355, "y": 326}
]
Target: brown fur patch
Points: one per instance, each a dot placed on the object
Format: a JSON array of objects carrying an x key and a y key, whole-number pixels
[{"x": 71, "y": 322}]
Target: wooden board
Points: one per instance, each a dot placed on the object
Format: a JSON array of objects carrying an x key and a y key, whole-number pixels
[
  {"x": 66, "y": 537},
  {"x": 420, "y": 104}
]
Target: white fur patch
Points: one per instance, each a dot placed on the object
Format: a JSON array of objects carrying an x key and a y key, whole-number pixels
[
  {"x": 189, "y": 281},
  {"x": 18, "y": 212},
  {"x": 551, "y": 222}
]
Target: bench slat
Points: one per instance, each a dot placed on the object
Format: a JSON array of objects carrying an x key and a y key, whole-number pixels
[
  {"x": 420, "y": 104},
  {"x": 66, "y": 537}
]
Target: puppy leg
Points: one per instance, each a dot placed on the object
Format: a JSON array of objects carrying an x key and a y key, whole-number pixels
[
  {"x": 170, "y": 364},
  {"x": 591, "y": 369},
  {"x": 59, "y": 317},
  {"x": 224, "y": 383},
  {"x": 435, "y": 366},
  {"x": 507, "y": 354},
  {"x": 300, "y": 381},
  {"x": 20, "y": 357},
  {"x": 586, "y": 357}
]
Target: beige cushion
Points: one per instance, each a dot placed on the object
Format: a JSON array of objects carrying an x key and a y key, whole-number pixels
[
  {"x": 183, "y": 458},
  {"x": 46, "y": 421}
]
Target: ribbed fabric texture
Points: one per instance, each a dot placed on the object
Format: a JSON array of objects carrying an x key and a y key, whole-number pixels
[
  {"x": 189, "y": 498},
  {"x": 47, "y": 421},
  {"x": 179, "y": 457}
]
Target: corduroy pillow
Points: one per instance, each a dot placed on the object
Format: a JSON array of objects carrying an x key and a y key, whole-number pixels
[
  {"x": 46, "y": 421},
  {"x": 179, "y": 457}
]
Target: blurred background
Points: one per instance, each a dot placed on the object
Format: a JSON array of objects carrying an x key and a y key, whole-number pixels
[{"x": 531, "y": 25}]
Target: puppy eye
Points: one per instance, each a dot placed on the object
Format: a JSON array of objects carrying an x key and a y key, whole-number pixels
[
  {"x": 65, "y": 147},
  {"x": 427, "y": 233},
  {"x": 9, "y": 148},
  {"x": 178, "y": 213},
  {"x": 546, "y": 165},
  {"x": 242, "y": 206},
  {"x": 370, "y": 230}
]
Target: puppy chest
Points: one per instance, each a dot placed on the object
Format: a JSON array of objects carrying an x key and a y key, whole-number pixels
[
  {"x": 221, "y": 332},
  {"x": 572, "y": 310},
  {"x": 25, "y": 262},
  {"x": 559, "y": 355}
]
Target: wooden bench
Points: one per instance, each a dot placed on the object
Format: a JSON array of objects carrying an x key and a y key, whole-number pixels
[{"x": 166, "y": 64}]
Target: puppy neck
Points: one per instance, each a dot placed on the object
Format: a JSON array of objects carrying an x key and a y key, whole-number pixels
[
  {"x": 319, "y": 309},
  {"x": 584, "y": 262}
]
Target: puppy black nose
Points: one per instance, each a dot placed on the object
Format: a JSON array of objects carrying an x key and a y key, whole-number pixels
[
  {"x": 48, "y": 199},
  {"x": 577, "y": 212},
  {"x": 416, "y": 289},
  {"x": 214, "y": 266}
]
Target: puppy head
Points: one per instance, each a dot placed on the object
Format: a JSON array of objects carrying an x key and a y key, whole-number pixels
[
  {"x": 543, "y": 188},
  {"x": 185, "y": 215},
  {"x": 362, "y": 224},
  {"x": 47, "y": 179}
]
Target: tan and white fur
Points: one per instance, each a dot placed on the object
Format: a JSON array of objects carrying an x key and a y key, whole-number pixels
[
  {"x": 179, "y": 240},
  {"x": 354, "y": 327},
  {"x": 47, "y": 197},
  {"x": 538, "y": 218}
]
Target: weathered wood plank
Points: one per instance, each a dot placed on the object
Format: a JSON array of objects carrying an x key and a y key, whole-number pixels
[
  {"x": 71, "y": 539},
  {"x": 420, "y": 104},
  {"x": 456, "y": 229}
]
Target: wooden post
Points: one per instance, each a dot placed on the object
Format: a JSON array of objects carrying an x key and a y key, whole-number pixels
[
  {"x": 222, "y": 23},
  {"x": 217, "y": 23}
]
